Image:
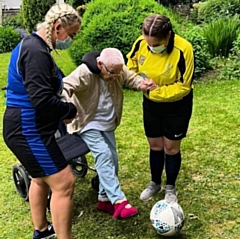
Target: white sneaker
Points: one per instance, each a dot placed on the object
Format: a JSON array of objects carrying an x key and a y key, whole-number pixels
[
  {"x": 149, "y": 191},
  {"x": 170, "y": 194}
]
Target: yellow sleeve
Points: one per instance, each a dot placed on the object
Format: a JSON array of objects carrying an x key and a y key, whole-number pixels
[
  {"x": 132, "y": 56},
  {"x": 182, "y": 86}
]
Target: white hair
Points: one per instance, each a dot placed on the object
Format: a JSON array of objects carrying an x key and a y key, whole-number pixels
[{"x": 111, "y": 56}]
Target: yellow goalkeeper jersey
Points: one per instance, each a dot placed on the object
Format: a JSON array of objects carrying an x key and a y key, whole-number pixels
[{"x": 172, "y": 72}]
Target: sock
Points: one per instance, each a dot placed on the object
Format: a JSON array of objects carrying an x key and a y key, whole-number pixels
[
  {"x": 172, "y": 165},
  {"x": 156, "y": 165}
]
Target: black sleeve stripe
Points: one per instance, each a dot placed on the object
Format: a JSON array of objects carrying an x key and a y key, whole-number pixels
[
  {"x": 193, "y": 77},
  {"x": 136, "y": 48},
  {"x": 181, "y": 65}
]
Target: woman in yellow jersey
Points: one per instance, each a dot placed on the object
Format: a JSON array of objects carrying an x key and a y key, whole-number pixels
[{"x": 168, "y": 59}]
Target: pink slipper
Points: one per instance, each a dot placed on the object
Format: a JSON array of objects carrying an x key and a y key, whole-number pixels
[
  {"x": 121, "y": 212},
  {"x": 105, "y": 207}
]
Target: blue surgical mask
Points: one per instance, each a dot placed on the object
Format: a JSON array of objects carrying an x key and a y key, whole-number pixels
[
  {"x": 157, "y": 49},
  {"x": 62, "y": 45}
]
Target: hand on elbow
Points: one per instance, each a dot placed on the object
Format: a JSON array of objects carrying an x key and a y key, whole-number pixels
[{"x": 147, "y": 85}]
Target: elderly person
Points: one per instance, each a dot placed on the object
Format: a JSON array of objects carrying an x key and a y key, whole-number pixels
[{"x": 95, "y": 88}]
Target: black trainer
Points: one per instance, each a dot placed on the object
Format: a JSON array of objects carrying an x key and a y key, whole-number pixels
[{"x": 48, "y": 233}]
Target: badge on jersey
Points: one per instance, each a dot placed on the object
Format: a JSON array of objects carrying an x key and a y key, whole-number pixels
[{"x": 141, "y": 59}]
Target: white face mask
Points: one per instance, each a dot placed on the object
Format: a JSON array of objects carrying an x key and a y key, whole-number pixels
[{"x": 157, "y": 49}]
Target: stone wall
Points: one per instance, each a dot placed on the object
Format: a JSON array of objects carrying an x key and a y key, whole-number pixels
[{"x": 9, "y": 13}]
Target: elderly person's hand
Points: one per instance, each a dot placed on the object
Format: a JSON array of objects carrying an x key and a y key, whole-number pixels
[
  {"x": 68, "y": 121},
  {"x": 148, "y": 84}
]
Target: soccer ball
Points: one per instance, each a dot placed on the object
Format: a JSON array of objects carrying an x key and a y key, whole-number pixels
[{"x": 167, "y": 218}]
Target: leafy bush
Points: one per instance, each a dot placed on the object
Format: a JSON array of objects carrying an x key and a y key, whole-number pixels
[
  {"x": 77, "y": 3},
  {"x": 33, "y": 15},
  {"x": 199, "y": 43},
  {"x": 212, "y": 10},
  {"x": 9, "y": 38},
  {"x": 220, "y": 35},
  {"x": 114, "y": 23},
  {"x": 231, "y": 68},
  {"x": 14, "y": 21},
  {"x": 236, "y": 46},
  {"x": 193, "y": 15}
]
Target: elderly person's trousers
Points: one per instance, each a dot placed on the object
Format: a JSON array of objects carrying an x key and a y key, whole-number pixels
[{"x": 103, "y": 148}]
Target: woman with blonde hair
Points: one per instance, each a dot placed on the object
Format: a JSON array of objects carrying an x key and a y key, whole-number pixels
[{"x": 33, "y": 111}]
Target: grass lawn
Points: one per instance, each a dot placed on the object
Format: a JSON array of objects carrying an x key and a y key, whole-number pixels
[{"x": 208, "y": 183}]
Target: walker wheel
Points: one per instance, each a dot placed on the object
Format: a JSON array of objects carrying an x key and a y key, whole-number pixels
[
  {"x": 79, "y": 166},
  {"x": 21, "y": 180},
  {"x": 95, "y": 183}
]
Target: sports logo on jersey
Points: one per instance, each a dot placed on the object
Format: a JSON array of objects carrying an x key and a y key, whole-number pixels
[
  {"x": 167, "y": 72},
  {"x": 141, "y": 59}
]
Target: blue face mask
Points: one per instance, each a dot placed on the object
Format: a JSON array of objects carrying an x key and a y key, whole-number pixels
[{"x": 62, "y": 45}]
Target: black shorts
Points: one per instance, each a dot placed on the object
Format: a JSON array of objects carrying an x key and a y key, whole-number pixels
[
  {"x": 168, "y": 119},
  {"x": 38, "y": 153}
]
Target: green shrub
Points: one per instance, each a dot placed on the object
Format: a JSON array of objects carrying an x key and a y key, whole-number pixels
[
  {"x": 193, "y": 15},
  {"x": 220, "y": 35},
  {"x": 201, "y": 55},
  {"x": 77, "y": 3},
  {"x": 14, "y": 21},
  {"x": 236, "y": 46},
  {"x": 33, "y": 15},
  {"x": 231, "y": 68},
  {"x": 9, "y": 38},
  {"x": 212, "y": 10},
  {"x": 114, "y": 23}
]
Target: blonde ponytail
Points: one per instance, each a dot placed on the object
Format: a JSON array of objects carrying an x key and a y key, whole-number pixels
[{"x": 61, "y": 12}]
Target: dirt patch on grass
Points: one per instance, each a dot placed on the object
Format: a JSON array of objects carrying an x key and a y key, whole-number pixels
[{"x": 210, "y": 75}]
